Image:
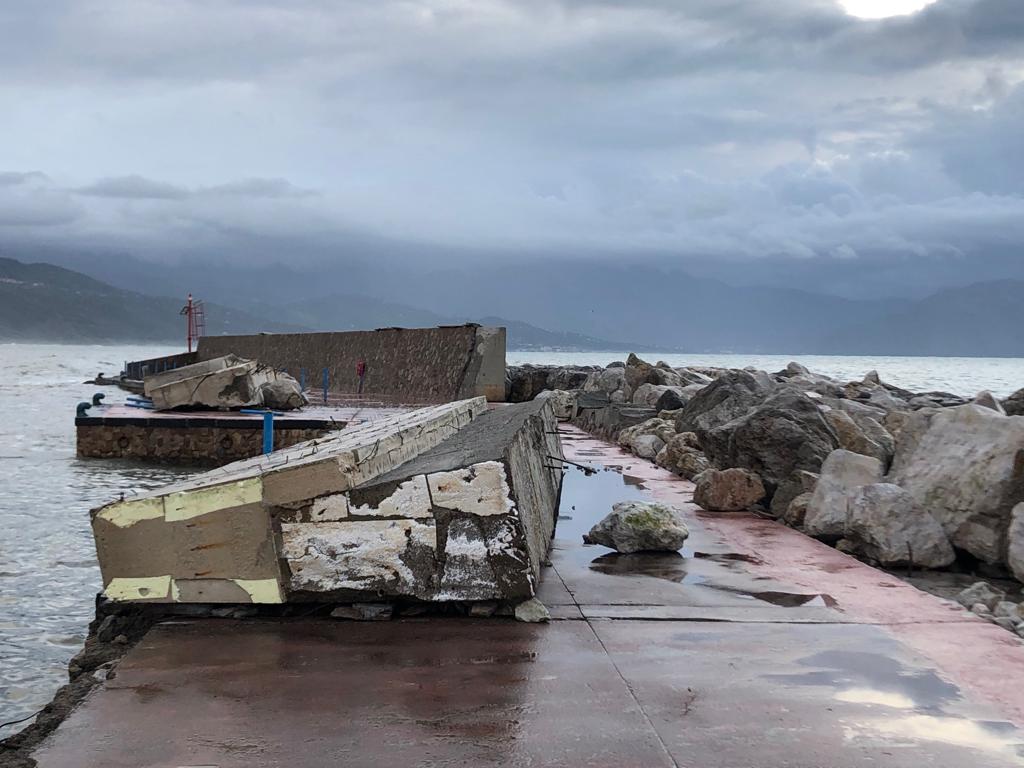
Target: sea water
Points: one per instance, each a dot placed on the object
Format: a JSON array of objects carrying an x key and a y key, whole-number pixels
[{"x": 960, "y": 375}]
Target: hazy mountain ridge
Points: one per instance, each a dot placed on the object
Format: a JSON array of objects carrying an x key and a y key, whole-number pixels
[
  {"x": 980, "y": 320},
  {"x": 43, "y": 302},
  {"x": 596, "y": 307}
]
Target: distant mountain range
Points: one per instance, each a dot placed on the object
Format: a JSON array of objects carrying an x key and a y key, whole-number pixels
[
  {"x": 596, "y": 307},
  {"x": 43, "y": 302}
]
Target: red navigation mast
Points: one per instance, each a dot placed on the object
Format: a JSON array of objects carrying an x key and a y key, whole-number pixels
[{"x": 195, "y": 317}]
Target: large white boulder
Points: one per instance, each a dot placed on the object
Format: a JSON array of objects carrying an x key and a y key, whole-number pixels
[
  {"x": 965, "y": 465},
  {"x": 841, "y": 475},
  {"x": 886, "y": 525}
]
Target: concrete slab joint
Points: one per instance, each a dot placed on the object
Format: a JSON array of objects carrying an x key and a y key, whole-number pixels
[{"x": 452, "y": 502}]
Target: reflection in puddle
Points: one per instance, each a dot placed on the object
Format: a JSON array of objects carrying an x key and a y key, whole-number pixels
[
  {"x": 916, "y": 701},
  {"x": 586, "y": 500},
  {"x": 782, "y": 599},
  {"x": 994, "y": 737},
  {"x": 670, "y": 566},
  {"x": 729, "y": 557},
  {"x": 851, "y": 670}
]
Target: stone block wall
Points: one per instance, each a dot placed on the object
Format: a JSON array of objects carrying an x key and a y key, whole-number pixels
[
  {"x": 403, "y": 365},
  {"x": 211, "y": 446}
]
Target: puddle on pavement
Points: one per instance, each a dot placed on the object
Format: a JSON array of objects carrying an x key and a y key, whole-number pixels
[
  {"x": 669, "y": 566},
  {"x": 901, "y": 705},
  {"x": 729, "y": 557},
  {"x": 783, "y": 599},
  {"x": 586, "y": 499}
]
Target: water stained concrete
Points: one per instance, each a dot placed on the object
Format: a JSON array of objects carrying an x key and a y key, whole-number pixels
[{"x": 905, "y": 703}]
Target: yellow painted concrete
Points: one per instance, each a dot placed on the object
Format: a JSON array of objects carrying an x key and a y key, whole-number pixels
[
  {"x": 185, "y": 505},
  {"x": 127, "y": 513},
  {"x": 147, "y": 588},
  {"x": 261, "y": 590}
]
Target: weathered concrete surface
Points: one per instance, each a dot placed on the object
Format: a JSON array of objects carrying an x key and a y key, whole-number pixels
[
  {"x": 758, "y": 646},
  {"x": 470, "y": 519},
  {"x": 447, "y": 504},
  {"x": 405, "y": 365},
  {"x": 213, "y": 538},
  {"x": 225, "y": 383}
]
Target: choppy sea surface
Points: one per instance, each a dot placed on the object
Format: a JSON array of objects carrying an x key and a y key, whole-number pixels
[
  {"x": 959, "y": 375},
  {"x": 48, "y": 572}
]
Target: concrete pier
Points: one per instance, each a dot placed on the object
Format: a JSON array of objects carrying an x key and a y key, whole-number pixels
[
  {"x": 199, "y": 438},
  {"x": 756, "y": 646}
]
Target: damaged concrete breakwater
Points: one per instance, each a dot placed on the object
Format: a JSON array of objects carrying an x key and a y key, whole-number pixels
[
  {"x": 444, "y": 503},
  {"x": 898, "y": 478}
]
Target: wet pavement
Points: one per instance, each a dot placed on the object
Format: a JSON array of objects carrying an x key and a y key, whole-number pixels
[{"x": 755, "y": 646}]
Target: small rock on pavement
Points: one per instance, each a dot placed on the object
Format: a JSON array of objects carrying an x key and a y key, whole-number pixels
[
  {"x": 729, "y": 490},
  {"x": 364, "y": 612},
  {"x": 532, "y": 611},
  {"x": 980, "y": 592},
  {"x": 640, "y": 526}
]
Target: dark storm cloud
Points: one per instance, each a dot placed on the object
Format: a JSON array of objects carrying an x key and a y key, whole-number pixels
[{"x": 729, "y": 129}]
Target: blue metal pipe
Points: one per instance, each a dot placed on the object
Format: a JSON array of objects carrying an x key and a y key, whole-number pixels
[{"x": 268, "y": 428}]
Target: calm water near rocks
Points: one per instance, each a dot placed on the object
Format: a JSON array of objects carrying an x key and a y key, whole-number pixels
[{"x": 48, "y": 573}]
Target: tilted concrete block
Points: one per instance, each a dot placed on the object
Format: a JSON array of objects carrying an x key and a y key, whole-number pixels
[
  {"x": 216, "y": 536},
  {"x": 470, "y": 519}
]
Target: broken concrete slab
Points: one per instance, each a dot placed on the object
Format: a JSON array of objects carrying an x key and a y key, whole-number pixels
[
  {"x": 214, "y": 537},
  {"x": 468, "y": 520},
  {"x": 223, "y": 383},
  {"x": 446, "y": 503}
]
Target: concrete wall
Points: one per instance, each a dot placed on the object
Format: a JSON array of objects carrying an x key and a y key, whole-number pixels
[
  {"x": 405, "y": 365},
  {"x": 187, "y": 446},
  {"x": 211, "y": 538}
]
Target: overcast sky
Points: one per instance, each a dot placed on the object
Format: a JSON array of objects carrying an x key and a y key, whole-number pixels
[{"x": 709, "y": 128}]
